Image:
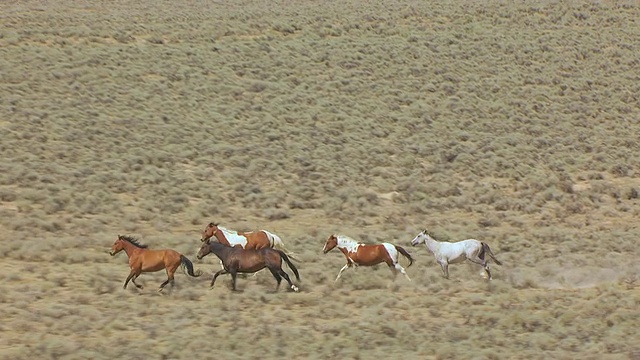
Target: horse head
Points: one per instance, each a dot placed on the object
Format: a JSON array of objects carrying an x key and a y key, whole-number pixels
[
  {"x": 208, "y": 232},
  {"x": 117, "y": 246},
  {"x": 420, "y": 238},
  {"x": 205, "y": 250},
  {"x": 331, "y": 242}
]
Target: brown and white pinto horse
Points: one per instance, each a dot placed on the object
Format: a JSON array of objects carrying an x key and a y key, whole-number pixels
[
  {"x": 246, "y": 240},
  {"x": 368, "y": 254}
]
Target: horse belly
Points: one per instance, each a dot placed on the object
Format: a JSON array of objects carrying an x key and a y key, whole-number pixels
[
  {"x": 152, "y": 267},
  {"x": 251, "y": 263},
  {"x": 457, "y": 260},
  {"x": 251, "y": 269},
  {"x": 370, "y": 256}
]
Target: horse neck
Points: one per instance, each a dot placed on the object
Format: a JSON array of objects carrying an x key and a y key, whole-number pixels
[
  {"x": 431, "y": 243},
  {"x": 129, "y": 248},
  {"x": 218, "y": 249}
]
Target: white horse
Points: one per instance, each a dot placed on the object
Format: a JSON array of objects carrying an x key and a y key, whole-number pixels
[{"x": 451, "y": 253}]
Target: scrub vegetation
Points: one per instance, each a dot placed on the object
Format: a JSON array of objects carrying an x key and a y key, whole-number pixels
[{"x": 515, "y": 123}]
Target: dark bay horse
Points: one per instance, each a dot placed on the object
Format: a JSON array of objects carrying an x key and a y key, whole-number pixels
[
  {"x": 238, "y": 260},
  {"x": 245, "y": 239},
  {"x": 142, "y": 259},
  {"x": 367, "y": 254}
]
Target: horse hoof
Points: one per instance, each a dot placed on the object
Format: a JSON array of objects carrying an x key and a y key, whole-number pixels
[
  {"x": 160, "y": 290},
  {"x": 295, "y": 288}
]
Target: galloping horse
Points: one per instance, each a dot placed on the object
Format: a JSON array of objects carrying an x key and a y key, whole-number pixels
[
  {"x": 142, "y": 260},
  {"x": 455, "y": 252},
  {"x": 368, "y": 254},
  {"x": 246, "y": 240},
  {"x": 238, "y": 260}
]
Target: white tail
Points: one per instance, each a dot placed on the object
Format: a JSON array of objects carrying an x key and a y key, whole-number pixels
[{"x": 277, "y": 243}]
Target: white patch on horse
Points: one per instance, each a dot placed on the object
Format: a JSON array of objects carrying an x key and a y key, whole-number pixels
[
  {"x": 348, "y": 243},
  {"x": 274, "y": 240},
  {"x": 393, "y": 253},
  {"x": 395, "y": 257},
  {"x": 233, "y": 237}
]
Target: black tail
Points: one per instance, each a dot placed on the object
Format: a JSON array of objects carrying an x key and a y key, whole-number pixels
[
  {"x": 405, "y": 254},
  {"x": 291, "y": 266},
  {"x": 189, "y": 265},
  {"x": 487, "y": 250}
]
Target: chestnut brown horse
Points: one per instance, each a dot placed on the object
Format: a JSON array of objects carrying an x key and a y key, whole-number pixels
[
  {"x": 247, "y": 240},
  {"x": 238, "y": 260},
  {"x": 367, "y": 254},
  {"x": 142, "y": 259}
]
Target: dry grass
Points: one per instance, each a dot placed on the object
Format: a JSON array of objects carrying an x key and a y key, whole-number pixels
[{"x": 512, "y": 123}]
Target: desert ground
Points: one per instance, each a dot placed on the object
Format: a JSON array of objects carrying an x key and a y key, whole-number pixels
[{"x": 512, "y": 122}]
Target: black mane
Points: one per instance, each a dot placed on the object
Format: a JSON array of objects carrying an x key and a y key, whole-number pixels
[{"x": 133, "y": 241}]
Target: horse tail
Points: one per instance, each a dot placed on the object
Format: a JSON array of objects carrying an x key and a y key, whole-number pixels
[
  {"x": 405, "y": 254},
  {"x": 186, "y": 263},
  {"x": 276, "y": 243},
  {"x": 291, "y": 266},
  {"x": 488, "y": 251}
]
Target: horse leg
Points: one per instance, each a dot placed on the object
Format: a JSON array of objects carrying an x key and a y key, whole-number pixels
[
  {"x": 397, "y": 268},
  {"x": 488, "y": 271},
  {"x": 445, "y": 268},
  {"x": 286, "y": 277},
  {"x": 132, "y": 275},
  {"x": 163, "y": 285},
  {"x": 276, "y": 275},
  {"x": 169, "y": 279},
  {"x": 341, "y": 270},
  {"x": 221, "y": 272},
  {"x": 234, "y": 274},
  {"x": 133, "y": 280}
]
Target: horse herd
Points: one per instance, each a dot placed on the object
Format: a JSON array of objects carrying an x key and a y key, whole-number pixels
[{"x": 249, "y": 252}]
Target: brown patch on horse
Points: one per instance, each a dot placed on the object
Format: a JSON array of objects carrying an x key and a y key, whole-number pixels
[{"x": 369, "y": 255}]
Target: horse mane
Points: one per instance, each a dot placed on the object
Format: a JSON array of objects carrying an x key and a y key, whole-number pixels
[{"x": 133, "y": 241}]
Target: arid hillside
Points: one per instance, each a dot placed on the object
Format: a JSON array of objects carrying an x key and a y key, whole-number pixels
[{"x": 515, "y": 123}]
